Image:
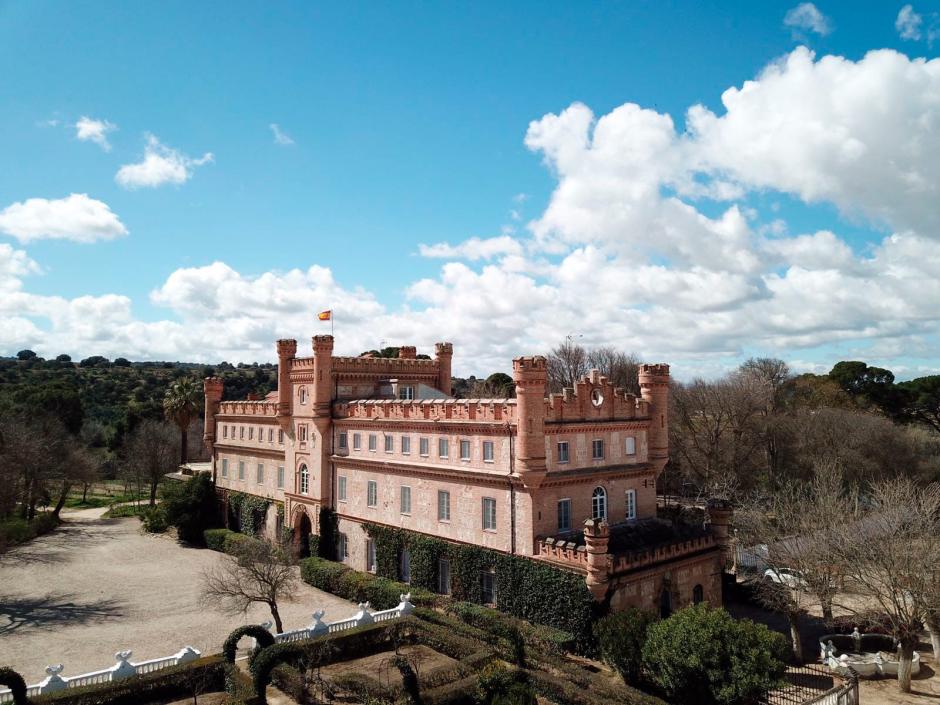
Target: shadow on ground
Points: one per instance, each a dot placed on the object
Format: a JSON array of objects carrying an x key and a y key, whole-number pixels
[
  {"x": 58, "y": 546},
  {"x": 53, "y": 611}
]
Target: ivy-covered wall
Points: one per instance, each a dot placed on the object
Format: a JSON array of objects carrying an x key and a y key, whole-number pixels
[
  {"x": 526, "y": 588},
  {"x": 248, "y": 510}
]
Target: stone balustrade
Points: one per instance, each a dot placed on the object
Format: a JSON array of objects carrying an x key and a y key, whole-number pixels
[
  {"x": 364, "y": 616},
  {"x": 124, "y": 668},
  {"x": 624, "y": 562},
  {"x": 468, "y": 410}
]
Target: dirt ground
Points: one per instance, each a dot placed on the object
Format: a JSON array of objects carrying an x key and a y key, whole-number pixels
[{"x": 97, "y": 586}]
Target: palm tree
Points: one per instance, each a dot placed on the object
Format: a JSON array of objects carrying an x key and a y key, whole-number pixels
[{"x": 180, "y": 405}]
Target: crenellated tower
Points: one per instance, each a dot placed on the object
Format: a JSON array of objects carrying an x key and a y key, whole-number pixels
[
  {"x": 286, "y": 352},
  {"x": 530, "y": 376},
  {"x": 322, "y": 374},
  {"x": 212, "y": 388},
  {"x": 444, "y": 354},
  {"x": 654, "y": 387}
]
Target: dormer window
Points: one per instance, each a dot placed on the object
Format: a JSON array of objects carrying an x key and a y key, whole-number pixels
[{"x": 406, "y": 391}]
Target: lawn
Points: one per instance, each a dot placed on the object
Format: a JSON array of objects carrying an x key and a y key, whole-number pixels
[{"x": 103, "y": 494}]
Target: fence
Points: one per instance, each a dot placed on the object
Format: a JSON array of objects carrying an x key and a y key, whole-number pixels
[
  {"x": 124, "y": 667},
  {"x": 814, "y": 685}
]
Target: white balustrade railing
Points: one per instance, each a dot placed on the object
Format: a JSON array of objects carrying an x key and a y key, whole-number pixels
[
  {"x": 54, "y": 681},
  {"x": 364, "y": 616}
]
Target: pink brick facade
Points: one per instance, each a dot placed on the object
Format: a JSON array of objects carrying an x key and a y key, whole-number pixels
[{"x": 351, "y": 434}]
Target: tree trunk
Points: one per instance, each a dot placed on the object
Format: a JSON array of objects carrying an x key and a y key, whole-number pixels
[
  {"x": 84, "y": 492},
  {"x": 796, "y": 641},
  {"x": 61, "y": 502},
  {"x": 277, "y": 617},
  {"x": 827, "y": 611},
  {"x": 183, "y": 441},
  {"x": 933, "y": 628},
  {"x": 153, "y": 492},
  {"x": 904, "y": 667}
]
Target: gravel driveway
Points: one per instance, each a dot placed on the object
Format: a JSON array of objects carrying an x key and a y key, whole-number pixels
[{"x": 96, "y": 586}]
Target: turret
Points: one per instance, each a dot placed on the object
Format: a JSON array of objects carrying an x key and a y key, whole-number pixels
[
  {"x": 529, "y": 374},
  {"x": 444, "y": 354},
  {"x": 322, "y": 374},
  {"x": 212, "y": 388},
  {"x": 407, "y": 352},
  {"x": 720, "y": 513},
  {"x": 286, "y": 351},
  {"x": 654, "y": 387},
  {"x": 596, "y": 540}
]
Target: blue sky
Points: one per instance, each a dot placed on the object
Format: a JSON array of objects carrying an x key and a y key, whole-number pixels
[{"x": 408, "y": 125}]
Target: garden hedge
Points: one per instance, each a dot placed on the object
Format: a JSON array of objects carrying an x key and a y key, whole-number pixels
[
  {"x": 261, "y": 635},
  {"x": 215, "y": 538},
  {"x": 341, "y": 580},
  {"x": 172, "y": 683},
  {"x": 14, "y": 681}
]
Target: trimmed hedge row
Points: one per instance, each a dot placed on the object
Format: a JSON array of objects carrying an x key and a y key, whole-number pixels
[
  {"x": 343, "y": 581},
  {"x": 528, "y": 589},
  {"x": 206, "y": 674},
  {"x": 14, "y": 681},
  {"x": 503, "y": 625},
  {"x": 224, "y": 540}
]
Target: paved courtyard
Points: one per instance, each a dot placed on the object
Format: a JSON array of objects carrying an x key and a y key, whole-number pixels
[{"x": 96, "y": 586}]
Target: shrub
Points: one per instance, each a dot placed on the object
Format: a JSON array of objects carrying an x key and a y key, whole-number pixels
[
  {"x": 16, "y": 530},
  {"x": 215, "y": 538},
  {"x": 620, "y": 638},
  {"x": 191, "y": 507},
  {"x": 233, "y": 540},
  {"x": 321, "y": 573},
  {"x": 261, "y": 635},
  {"x": 539, "y": 636},
  {"x": 705, "y": 656},
  {"x": 498, "y": 685},
  {"x": 154, "y": 520},
  {"x": 14, "y": 681}
]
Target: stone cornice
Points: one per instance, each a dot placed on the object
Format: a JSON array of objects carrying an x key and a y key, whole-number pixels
[
  {"x": 427, "y": 471},
  {"x": 492, "y": 428},
  {"x": 556, "y": 427},
  {"x": 557, "y": 478},
  {"x": 245, "y": 450}
]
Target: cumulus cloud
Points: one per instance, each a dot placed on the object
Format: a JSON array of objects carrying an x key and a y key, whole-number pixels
[
  {"x": 90, "y": 130},
  {"x": 473, "y": 249},
  {"x": 160, "y": 165},
  {"x": 280, "y": 137},
  {"x": 807, "y": 17},
  {"x": 909, "y": 23},
  {"x": 75, "y": 217}
]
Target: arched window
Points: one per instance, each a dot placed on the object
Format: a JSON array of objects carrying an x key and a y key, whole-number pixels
[
  {"x": 303, "y": 395},
  {"x": 304, "y": 479},
  {"x": 698, "y": 594},
  {"x": 599, "y": 503}
]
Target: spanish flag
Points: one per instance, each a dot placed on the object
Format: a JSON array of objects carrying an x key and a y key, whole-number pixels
[{"x": 325, "y": 315}]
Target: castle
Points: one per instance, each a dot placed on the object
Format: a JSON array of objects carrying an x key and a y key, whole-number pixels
[{"x": 567, "y": 478}]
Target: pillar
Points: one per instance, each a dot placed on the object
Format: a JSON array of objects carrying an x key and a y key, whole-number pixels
[
  {"x": 286, "y": 351},
  {"x": 596, "y": 538},
  {"x": 654, "y": 388},
  {"x": 529, "y": 374},
  {"x": 322, "y": 374},
  {"x": 444, "y": 354},
  {"x": 719, "y": 518}
]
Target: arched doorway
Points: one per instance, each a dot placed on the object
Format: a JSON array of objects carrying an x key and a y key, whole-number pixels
[
  {"x": 301, "y": 534},
  {"x": 665, "y": 603}
]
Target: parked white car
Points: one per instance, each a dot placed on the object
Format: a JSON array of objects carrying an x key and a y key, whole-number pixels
[{"x": 784, "y": 576}]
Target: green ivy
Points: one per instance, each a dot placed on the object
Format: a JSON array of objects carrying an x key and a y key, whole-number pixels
[
  {"x": 526, "y": 588},
  {"x": 249, "y": 509}
]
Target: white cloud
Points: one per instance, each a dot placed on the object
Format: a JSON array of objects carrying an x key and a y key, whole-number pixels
[
  {"x": 76, "y": 217},
  {"x": 909, "y": 23},
  {"x": 806, "y": 16},
  {"x": 473, "y": 249},
  {"x": 90, "y": 130},
  {"x": 280, "y": 137},
  {"x": 160, "y": 165}
]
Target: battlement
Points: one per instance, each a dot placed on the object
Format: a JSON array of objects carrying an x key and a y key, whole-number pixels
[
  {"x": 249, "y": 408},
  {"x": 536, "y": 363},
  {"x": 286, "y": 347},
  {"x": 500, "y": 411},
  {"x": 594, "y": 398},
  {"x": 654, "y": 370},
  {"x": 384, "y": 365}
]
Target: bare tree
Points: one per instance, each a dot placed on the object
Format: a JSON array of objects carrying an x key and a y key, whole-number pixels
[
  {"x": 257, "y": 572},
  {"x": 622, "y": 369},
  {"x": 566, "y": 363},
  {"x": 890, "y": 555},
  {"x": 151, "y": 452}
]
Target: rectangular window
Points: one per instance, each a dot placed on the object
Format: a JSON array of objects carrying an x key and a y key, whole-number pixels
[
  {"x": 389, "y": 443},
  {"x": 342, "y": 547},
  {"x": 372, "y": 494},
  {"x": 564, "y": 514},
  {"x": 489, "y": 514},
  {"x": 405, "y": 499},
  {"x": 241, "y": 470},
  {"x": 370, "y": 555},
  {"x": 488, "y": 583},
  {"x": 443, "y": 447},
  {"x": 443, "y": 505},
  {"x": 280, "y": 436},
  {"x": 630, "y": 445},
  {"x": 357, "y": 442},
  {"x": 304, "y": 479},
  {"x": 406, "y": 445},
  {"x": 303, "y": 432},
  {"x": 373, "y": 442},
  {"x": 423, "y": 447},
  {"x": 631, "y": 505},
  {"x": 406, "y": 392},
  {"x": 443, "y": 576},
  {"x": 260, "y": 477},
  {"x": 260, "y": 435},
  {"x": 241, "y": 433},
  {"x": 224, "y": 467},
  {"x": 280, "y": 476},
  {"x": 597, "y": 449},
  {"x": 270, "y": 435},
  {"x": 487, "y": 451},
  {"x": 341, "y": 488},
  {"x": 465, "y": 450},
  {"x": 563, "y": 451},
  {"x": 342, "y": 440},
  {"x": 251, "y": 433},
  {"x": 224, "y": 430}
]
